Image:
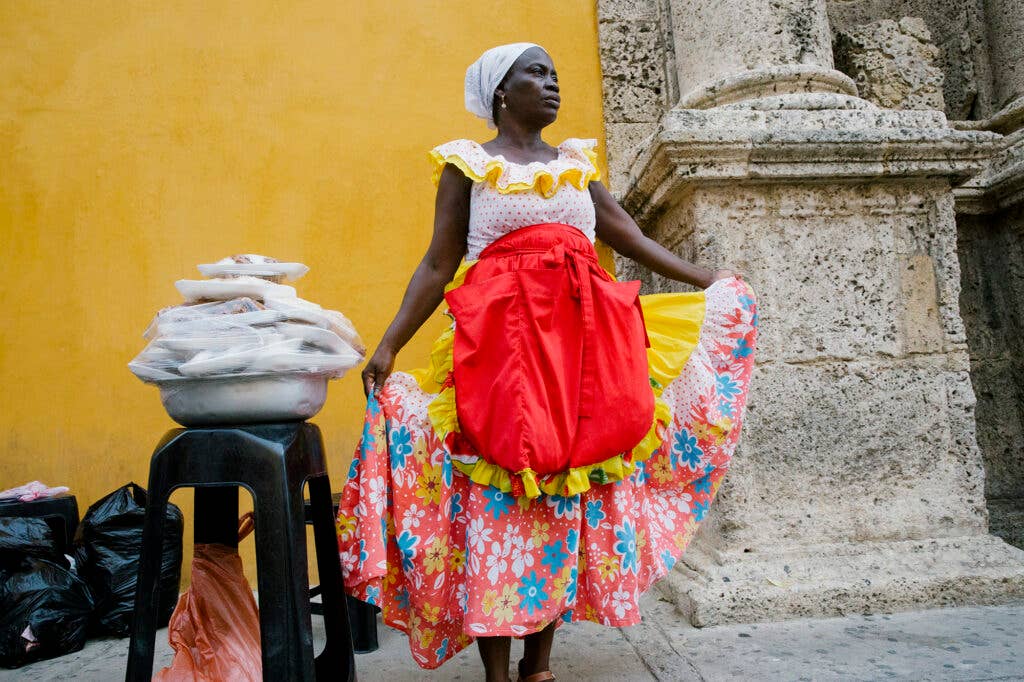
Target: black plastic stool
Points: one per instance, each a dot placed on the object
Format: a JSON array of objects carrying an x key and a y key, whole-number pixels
[
  {"x": 362, "y": 617},
  {"x": 273, "y": 462},
  {"x": 59, "y": 511}
]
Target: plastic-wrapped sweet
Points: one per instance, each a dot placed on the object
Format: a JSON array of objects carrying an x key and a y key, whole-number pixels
[
  {"x": 306, "y": 311},
  {"x": 229, "y": 288},
  {"x": 213, "y": 356}
]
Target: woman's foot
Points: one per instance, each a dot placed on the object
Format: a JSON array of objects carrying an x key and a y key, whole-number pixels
[{"x": 536, "y": 676}]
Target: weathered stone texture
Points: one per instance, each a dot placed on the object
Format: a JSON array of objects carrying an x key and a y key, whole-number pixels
[
  {"x": 635, "y": 64},
  {"x": 716, "y": 39},
  {"x": 634, "y": 77},
  {"x": 840, "y": 287},
  {"x": 878, "y": 440},
  {"x": 1006, "y": 40},
  {"x": 893, "y": 63},
  {"x": 957, "y": 28},
  {"x": 991, "y": 250},
  {"x": 624, "y": 140},
  {"x": 627, "y": 10}
]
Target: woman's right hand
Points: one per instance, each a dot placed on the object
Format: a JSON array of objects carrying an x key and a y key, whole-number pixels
[{"x": 378, "y": 369}]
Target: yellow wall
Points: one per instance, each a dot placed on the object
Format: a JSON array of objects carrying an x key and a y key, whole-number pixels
[{"x": 140, "y": 138}]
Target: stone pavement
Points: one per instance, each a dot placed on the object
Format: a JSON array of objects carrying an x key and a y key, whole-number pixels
[{"x": 967, "y": 643}]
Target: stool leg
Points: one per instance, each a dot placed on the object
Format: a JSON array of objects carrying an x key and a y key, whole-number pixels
[
  {"x": 337, "y": 661},
  {"x": 147, "y": 597},
  {"x": 285, "y": 621}
]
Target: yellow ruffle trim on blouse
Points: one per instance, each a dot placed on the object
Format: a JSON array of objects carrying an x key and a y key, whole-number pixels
[
  {"x": 545, "y": 179},
  {"x": 673, "y": 326}
]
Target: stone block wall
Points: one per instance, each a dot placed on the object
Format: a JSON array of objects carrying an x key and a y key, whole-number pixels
[
  {"x": 638, "y": 77},
  {"x": 893, "y": 63},
  {"x": 957, "y": 27}
]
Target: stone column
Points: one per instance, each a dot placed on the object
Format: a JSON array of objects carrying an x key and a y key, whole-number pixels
[
  {"x": 858, "y": 484},
  {"x": 1005, "y": 19},
  {"x": 739, "y": 50}
]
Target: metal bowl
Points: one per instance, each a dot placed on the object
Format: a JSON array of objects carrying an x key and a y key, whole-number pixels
[{"x": 213, "y": 401}]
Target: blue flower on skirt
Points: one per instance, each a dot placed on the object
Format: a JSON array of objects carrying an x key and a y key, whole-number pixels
[
  {"x": 727, "y": 386},
  {"x": 570, "y": 589},
  {"x": 554, "y": 557},
  {"x": 446, "y": 470},
  {"x": 442, "y": 650},
  {"x": 686, "y": 449},
  {"x": 498, "y": 503},
  {"x": 742, "y": 349},
  {"x": 640, "y": 473},
  {"x": 403, "y": 598},
  {"x": 726, "y": 408},
  {"x": 372, "y": 595},
  {"x": 401, "y": 445},
  {"x": 456, "y": 506},
  {"x": 407, "y": 546},
  {"x": 594, "y": 513},
  {"x": 626, "y": 546},
  {"x": 699, "y": 510},
  {"x": 746, "y": 301},
  {"x": 572, "y": 540},
  {"x": 532, "y": 591},
  {"x": 668, "y": 559},
  {"x": 703, "y": 484},
  {"x": 373, "y": 404},
  {"x": 564, "y": 506},
  {"x": 363, "y": 555},
  {"x": 353, "y": 466},
  {"x": 369, "y": 440}
]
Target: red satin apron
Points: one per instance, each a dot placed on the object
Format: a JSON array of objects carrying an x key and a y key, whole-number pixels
[{"x": 550, "y": 361}]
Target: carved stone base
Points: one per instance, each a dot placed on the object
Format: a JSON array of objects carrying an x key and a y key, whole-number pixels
[{"x": 839, "y": 579}]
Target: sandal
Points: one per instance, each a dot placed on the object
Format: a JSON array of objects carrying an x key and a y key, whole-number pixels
[{"x": 542, "y": 676}]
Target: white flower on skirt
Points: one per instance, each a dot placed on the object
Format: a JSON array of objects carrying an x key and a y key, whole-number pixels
[
  {"x": 621, "y": 602},
  {"x": 378, "y": 494}
]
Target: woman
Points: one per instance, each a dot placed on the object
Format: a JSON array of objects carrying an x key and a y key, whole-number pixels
[{"x": 591, "y": 427}]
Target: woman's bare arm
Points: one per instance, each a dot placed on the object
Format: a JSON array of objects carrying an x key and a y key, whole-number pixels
[
  {"x": 618, "y": 230},
  {"x": 426, "y": 287}
]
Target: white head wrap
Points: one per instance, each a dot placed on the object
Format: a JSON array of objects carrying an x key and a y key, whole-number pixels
[{"x": 484, "y": 75}]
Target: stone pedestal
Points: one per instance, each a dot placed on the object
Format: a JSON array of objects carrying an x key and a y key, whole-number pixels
[{"x": 858, "y": 484}]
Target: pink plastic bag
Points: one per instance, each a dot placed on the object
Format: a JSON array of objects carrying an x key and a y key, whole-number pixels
[{"x": 215, "y": 629}]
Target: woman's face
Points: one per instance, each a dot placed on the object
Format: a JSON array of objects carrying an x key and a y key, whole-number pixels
[{"x": 530, "y": 90}]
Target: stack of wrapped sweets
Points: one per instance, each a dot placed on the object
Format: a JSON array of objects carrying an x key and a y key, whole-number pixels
[{"x": 243, "y": 323}]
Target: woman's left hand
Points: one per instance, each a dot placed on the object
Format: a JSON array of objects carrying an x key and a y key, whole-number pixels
[{"x": 723, "y": 273}]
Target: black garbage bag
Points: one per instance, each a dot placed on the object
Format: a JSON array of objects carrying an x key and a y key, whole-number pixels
[
  {"x": 111, "y": 535},
  {"x": 45, "y": 611},
  {"x": 22, "y": 537}
]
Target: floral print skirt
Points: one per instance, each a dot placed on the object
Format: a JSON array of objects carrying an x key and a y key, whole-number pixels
[{"x": 448, "y": 559}]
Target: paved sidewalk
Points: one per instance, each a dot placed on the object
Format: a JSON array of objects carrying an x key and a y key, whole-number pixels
[{"x": 973, "y": 643}]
